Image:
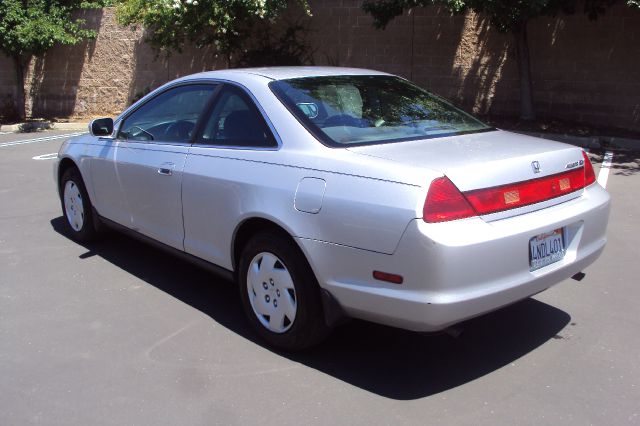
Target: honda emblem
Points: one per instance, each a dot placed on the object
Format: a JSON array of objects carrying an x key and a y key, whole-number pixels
[{"x": 535, "y": 166}]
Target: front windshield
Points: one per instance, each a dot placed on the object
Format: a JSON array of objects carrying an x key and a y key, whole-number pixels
[{"x": 369, "y": 109}]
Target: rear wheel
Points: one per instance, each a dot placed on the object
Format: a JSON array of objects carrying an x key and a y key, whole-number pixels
[
  {"x": 280, "y": 294},
  {"x": 76, "y": 206}
]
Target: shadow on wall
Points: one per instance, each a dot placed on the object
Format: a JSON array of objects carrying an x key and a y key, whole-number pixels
[
  {"x": 389, "y": 362},
  {"x": 458, "y": 57},
  {"x": 462, "y": 58},
  {"x": 150, "y": 70},
  {"x": 55, "y": 76},
  {"x": 485, "y": 66},
  {"x": 584, "y": 71},
  {"x": 284, "y": 43},
  {"x": 153, "y": 68},
  {"x": 7, "y": 89}
]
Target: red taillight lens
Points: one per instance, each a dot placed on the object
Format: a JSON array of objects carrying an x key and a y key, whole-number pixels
[
  {"x": 506, "y": 197},
  {"x": 589, "y": 174},
  {"x": 445, "y": 202}
]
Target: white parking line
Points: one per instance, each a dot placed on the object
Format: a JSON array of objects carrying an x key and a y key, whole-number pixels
[
  {"x": 42, "y": 139},
  {"x": 603, "y": 175},
  {"x": 51, "y": 156}
]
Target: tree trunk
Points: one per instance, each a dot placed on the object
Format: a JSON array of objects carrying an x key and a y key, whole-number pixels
[
  {"x": 20, "y": 65},
  {"x": 524, "y": 69}
]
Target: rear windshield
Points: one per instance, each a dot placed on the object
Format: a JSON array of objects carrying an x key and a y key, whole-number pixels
[{"x": 371, "y": 109}]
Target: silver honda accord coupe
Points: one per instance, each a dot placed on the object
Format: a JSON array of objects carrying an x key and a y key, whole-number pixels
[{"x": 327, "y": 193}]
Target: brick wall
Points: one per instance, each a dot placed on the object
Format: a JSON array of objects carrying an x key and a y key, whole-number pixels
[
  {"x": 582, "y": 70},
  {"x": 101, "y": 76}
]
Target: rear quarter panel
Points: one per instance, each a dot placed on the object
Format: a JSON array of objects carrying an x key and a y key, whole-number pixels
[{"x": 224, "y": 187}]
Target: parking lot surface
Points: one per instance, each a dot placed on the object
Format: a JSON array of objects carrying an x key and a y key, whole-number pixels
[{"x": 118, "y": 332}]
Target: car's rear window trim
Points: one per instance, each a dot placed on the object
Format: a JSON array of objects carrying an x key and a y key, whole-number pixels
[{"x": 327, "y": 141}]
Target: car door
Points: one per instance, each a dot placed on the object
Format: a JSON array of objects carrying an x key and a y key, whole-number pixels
[
  {"x": 147, "y": 159},
  {"x": 221, "y": 172}
]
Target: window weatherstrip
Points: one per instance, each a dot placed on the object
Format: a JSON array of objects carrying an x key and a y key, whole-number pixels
[
  {"x": 117, "y": 125},
  {"x": 252, "y": 102}
]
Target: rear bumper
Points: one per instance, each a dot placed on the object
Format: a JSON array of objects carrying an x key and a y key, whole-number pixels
[{"x": 457, "y": 270}]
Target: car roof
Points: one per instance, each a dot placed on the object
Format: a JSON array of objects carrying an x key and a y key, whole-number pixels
[{"x": 283, "y": 73}]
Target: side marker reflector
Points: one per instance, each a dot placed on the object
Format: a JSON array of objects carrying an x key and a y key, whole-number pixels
[{"x": 385, "y": 276}]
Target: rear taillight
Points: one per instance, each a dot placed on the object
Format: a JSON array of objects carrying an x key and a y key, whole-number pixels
[
  {"x": 492, "y": 200},
  {"x": 445, "y": 202},
  {"x": 589, "y": 174}
]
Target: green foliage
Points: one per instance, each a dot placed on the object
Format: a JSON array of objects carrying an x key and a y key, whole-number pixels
[
  {"x": 505, "y": 15},
  {"x": 227, "y": 24},
  {"x": 31, "y": 27}
]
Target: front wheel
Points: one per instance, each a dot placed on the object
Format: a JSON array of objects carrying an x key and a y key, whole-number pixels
[
  {"x": 280, "y": 294},
  {"x": 76, "y": 206}
]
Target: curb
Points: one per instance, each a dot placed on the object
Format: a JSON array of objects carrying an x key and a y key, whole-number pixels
[
  {"x": 591, "y": 142},
  {"x": 42, "y": 125}
]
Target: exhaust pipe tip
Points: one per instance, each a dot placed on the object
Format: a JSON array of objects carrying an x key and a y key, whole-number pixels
[
  {"x": 579, "y": 276},
  {"x": 453, "y": 331}
]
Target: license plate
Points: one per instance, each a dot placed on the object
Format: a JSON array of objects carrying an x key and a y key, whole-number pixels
[{"x": 545, "y": 249}]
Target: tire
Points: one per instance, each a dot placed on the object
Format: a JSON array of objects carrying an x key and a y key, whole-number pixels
[
  {"x": 76, "y": 206},
  {"x": 280, "y": 294}
]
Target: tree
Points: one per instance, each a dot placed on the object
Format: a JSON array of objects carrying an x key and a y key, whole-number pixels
[
  {"x": 226, "y": 24},
  {"x": 31, "y": 27},
  {"x": 507, "y": 16}
]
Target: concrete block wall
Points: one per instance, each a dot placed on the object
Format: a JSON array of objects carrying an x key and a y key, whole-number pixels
[{"x": 582, "y": 70}]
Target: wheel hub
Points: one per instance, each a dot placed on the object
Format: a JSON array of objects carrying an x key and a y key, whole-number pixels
[
  {"x": 271, "y": 292},
  {"x": 73, "y": 206}
]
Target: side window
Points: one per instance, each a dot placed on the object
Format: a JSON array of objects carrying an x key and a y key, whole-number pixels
[
  {"x": 235, "y": 121},
  {"x": 169, "y": 117}
]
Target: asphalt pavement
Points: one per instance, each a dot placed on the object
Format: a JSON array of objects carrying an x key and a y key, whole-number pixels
[{"x": 118, "y": 332}]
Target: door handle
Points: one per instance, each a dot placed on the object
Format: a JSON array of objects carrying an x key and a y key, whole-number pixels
[{"x": 166, "y": 169}]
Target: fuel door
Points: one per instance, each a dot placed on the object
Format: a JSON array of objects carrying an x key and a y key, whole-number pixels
[{"x": 309, "y": 195}]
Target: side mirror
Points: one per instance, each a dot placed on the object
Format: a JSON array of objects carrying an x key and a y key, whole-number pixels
[{"x": 101, "y": 127}]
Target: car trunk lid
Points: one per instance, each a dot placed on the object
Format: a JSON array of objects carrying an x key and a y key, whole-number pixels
[{"x": 485, "y": 160}]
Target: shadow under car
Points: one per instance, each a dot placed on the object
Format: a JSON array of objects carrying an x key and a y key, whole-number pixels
[{"x": 390, "y": 362}]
